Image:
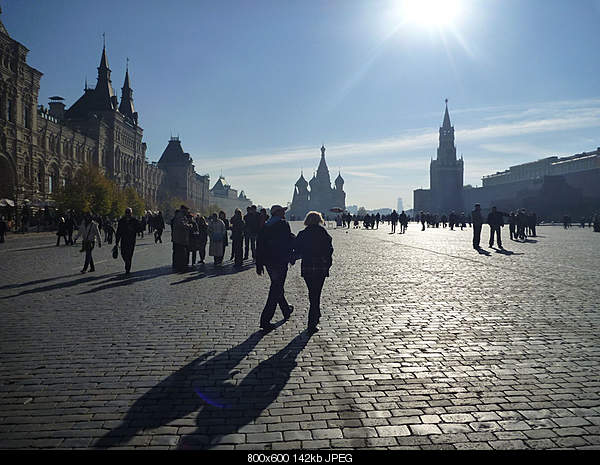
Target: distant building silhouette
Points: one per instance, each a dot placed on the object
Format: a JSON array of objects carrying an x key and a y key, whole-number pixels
[
  {"x": 180, "y": 179},
  {"x": 228, "y": 199},
  {"x": 321, "y": 196},
  {"x": 400, "y": 206},
  {"x": 551, "y": 187},
  {"x": 446, "y": 175}
]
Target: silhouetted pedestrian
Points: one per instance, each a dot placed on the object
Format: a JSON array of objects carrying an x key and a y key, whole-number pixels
[
  {"x": 217, "y": 234},
  {"x": 477, "y": 225},
  {"x": 237, "y": 237},
  {"x": 496, "y": 221},
  {"x": 127, "y": 231},
  {"x": 180, "y": 235},
  {"x": 274, "y": 251},
  {"x": 313, "y": 245},
  {"x": 88, "y": 230}
]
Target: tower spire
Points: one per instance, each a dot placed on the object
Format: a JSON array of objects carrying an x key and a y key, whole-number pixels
[
  {"x": 105, "y": 95},
  {"x": 446, "y": 124},
  {"x": 126, "y": 108}
]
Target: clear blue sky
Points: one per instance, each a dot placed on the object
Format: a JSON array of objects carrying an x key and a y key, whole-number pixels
[{"x": 254, "y": 88}]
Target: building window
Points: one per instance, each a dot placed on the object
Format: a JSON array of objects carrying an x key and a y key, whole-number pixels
[
  {"x": 10, "y": 110},
  {"x": 26, "y": 117}
]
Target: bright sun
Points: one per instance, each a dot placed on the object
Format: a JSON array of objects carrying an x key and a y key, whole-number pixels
[{"x": 429, "y": 13}]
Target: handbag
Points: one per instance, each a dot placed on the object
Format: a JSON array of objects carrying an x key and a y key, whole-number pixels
[{"x": 115, "y": 252}]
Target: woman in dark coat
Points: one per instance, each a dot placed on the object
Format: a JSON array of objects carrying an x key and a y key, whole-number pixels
[
  {"x": 225, "y": 221},
  {"x": 313, "y": 245},
  {"x": 237, "y": 237}
]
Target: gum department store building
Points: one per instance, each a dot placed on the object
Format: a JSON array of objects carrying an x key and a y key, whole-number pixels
[{"x": 41, "y": 149}]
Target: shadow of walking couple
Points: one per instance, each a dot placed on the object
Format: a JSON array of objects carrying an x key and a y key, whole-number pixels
[{"x": 206, "y": 385}]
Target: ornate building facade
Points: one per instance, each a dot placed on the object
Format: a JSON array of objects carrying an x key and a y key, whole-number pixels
[
  {"x": 42, "y": 148},
  {"x": 321, "y": 197}
]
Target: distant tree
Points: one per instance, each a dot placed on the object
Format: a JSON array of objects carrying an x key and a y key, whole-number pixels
[
  {"x": 362, "y": 211},
  {"x": 134, "y": 201},
  {"x": 88, "y": 191}
]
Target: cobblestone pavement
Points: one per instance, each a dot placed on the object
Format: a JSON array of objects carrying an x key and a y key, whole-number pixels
[{"x": 424, "y": 344}]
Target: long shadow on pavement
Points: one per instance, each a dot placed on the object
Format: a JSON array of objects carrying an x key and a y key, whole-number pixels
[
  {"x": 209, "y": 271},
  {"x": 207, "y": 386},
  {"x": 37, "y": 281},
  {"x": 136, "y": 276},
  {"x": 62, "y": 285}
]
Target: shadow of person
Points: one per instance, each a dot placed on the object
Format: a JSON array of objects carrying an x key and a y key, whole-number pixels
[
  {"x": 229, "y": 407},
  {"x": 135, "y": 276},
  {"x": 211, "y": 272},
  {"x": 177, "y": 396},
  {"x": 482, "y": 251}
]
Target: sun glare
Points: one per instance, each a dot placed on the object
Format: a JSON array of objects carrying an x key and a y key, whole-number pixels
[{"x": 429, "y": 13}]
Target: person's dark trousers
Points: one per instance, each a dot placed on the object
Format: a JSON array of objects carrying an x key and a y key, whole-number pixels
[
  {"x": 423, "y": 224},
  {"x": 533, "y": 231},
  {"x": 513, "y": 236},
  {"x": 495, "y": 230},
  {"x": 277, "y": 273},
  {"x": 89, "y": 260},
  {"x": 476, "y": 235},
  {"x": 70, "y": 232},
  {"x": 315, "y": 286},
  {"x": 127, "y": 254},
  {"x": 238, "y": 251},
  {"x": 58, "y": 240},
  {"x": 249, "y": 245},
  {"x": 1, "y": 237},
  {"x": 180, "y": 257}
]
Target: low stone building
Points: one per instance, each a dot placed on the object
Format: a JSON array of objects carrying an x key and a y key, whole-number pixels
[{"x": 228, "y": 199}]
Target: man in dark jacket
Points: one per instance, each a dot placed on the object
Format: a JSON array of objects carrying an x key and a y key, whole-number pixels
[
  {"x": 477, "y": 225},
  {"x": 127, "y": 231},
  {"x": 251, "y": 221},
  {"x": 496, "y": 220},
  {"x": 274, "y": 249}
]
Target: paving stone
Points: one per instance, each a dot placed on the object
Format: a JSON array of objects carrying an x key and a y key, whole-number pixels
[{"x": 413, "y": 352}]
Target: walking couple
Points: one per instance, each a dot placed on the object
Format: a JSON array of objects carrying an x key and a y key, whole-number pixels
[{"x": 277, "y": 247}]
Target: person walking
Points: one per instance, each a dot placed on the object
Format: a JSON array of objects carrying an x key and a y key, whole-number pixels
[
  {"x": 251, "y": 220},
  {"x": 180, "y": 235},
  {"x": 217, "y": 234},
  {"x": 225, "y": 221},
  {"x": 203, "y": 235},
  {"x": 62, "y": 231},
  {"x": 394, "y": 220},
  {"x": 313, "y": 246},
  {"x": 159, "y": 227},
  {"x": 89, "y": 232},
  {"x": 237, "y": 237},
  {"x": 477, "y": 225},
  {"x": 3, "y": 229},
  {"x": 127, "y": 231},
  {"x": 512, "y": 226},
  {"x": 69, "y": 226},
  {"x": 496, "y": 221},
  {"x": 274, "y": 251},
  {"x": 194, "y": 245}
]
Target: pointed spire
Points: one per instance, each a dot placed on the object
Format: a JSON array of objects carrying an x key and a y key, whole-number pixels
[
  {"x": 126, "y": 108},
  {"x": 105, "y": 95},
  {"x": 446, "y": 124}
]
